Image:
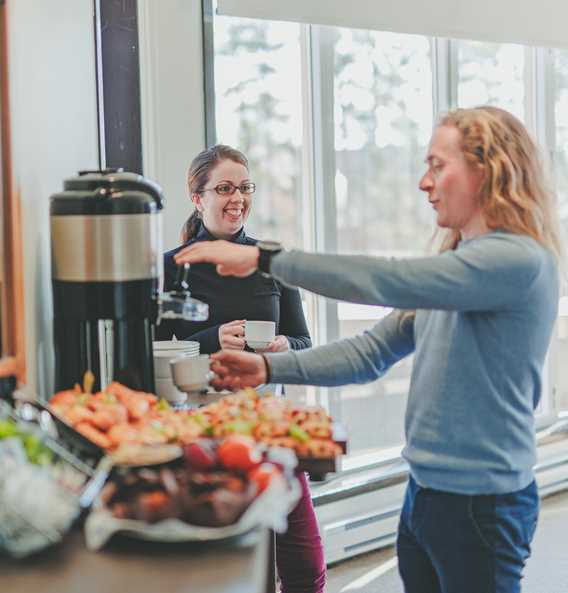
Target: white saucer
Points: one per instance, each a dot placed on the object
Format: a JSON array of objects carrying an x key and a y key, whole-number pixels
[
  {"x": 257, "y": 344},
  {"x": 194, "y": 388}
]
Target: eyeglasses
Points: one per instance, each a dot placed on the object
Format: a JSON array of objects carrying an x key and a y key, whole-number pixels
[{"x": 228, "y": 189}]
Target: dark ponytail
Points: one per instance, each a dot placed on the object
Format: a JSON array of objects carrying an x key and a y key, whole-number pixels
[
  {"x": 191, "y": 226},
  {"x": 198, "y": 177}
]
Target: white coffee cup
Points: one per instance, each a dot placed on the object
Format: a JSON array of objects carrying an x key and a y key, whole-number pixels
[
  {"x": 191, "y": 373},
  {"x": 258, "y": 334}
]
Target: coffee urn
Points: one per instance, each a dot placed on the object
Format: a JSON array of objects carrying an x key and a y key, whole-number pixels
[{"x": 106, "y": 268}]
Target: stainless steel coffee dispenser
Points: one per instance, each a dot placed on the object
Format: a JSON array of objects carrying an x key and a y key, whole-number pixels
[{"x": 106, "y": 268}]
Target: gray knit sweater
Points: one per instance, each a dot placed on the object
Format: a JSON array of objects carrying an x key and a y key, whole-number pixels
[{"x": 484, "y": 317}]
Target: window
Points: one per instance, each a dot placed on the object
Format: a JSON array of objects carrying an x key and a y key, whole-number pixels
[
  {"x": 561, "y": 134},
  {"x": 258, "y": 108},
  {"x": 383, "y": 122},
  {"x": 560, "y": 158},
  {"x": 491, "y": 73}
]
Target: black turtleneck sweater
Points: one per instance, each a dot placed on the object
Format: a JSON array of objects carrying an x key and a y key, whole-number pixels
[{"x": 252, "y": 298}]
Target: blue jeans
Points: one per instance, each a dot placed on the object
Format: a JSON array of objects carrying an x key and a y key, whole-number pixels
[{"x": 452, "y": 543}]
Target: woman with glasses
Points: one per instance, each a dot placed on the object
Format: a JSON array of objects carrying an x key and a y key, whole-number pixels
[
  {"x": 478, "y": 318},
  {"x": 222, "y": 193}
]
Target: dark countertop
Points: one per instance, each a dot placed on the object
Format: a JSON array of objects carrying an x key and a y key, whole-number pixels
[{"x": 132, "y": 566}]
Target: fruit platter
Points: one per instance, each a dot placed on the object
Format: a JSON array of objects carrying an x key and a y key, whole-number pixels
[{"x": 218, "y": 490}]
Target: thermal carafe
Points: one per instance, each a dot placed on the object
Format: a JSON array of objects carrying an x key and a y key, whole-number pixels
[{"x": 106, "y": 260}]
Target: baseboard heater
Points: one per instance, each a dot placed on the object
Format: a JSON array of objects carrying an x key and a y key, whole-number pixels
[{"x": 364, "y": 516}]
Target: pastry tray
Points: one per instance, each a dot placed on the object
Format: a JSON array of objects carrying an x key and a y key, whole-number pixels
[
  {"x": 318, "y": 468},
  {"x": 81, "y": 445}
]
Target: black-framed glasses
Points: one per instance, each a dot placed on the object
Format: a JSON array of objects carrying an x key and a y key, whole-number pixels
[{"x": 228, "y": 189}]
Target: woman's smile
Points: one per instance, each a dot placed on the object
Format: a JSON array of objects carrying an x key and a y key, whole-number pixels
[{"x": 234, "y": 214}]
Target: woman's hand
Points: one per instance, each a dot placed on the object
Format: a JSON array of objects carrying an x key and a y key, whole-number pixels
[
  {"x": 231, "y": 335},
  {"x": 231, "y": 259},
  {"x": 279, "y": 344},
  {"x": 235, "y": 370}
]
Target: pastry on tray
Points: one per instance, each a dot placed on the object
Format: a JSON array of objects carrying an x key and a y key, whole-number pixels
[{"x": 120, "y": 416}]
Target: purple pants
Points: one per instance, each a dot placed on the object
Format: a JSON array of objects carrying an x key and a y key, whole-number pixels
[{"x": 299, "y": 551}]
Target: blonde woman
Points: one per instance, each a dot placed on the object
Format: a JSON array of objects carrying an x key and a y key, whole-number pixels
[{"x": 484, "y": 313}]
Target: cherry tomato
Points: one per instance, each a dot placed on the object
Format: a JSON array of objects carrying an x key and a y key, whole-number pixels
[{"x": 239, "y": 452}]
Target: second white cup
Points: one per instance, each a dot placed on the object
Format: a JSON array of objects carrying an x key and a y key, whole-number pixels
[
  {"x": 258, "y": 334},
  {"x": 191, "y": 373}
]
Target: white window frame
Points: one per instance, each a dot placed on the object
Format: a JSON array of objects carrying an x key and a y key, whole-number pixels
[{"x": 319, "y": 110}]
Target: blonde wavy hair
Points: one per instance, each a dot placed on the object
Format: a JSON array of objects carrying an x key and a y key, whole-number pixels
[{"x": 515, "y": 193}]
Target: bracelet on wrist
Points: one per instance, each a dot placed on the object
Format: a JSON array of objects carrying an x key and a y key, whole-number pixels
[{"x": 266, "y": 368}]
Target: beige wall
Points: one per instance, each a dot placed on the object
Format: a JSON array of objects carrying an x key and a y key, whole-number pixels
[
  {"x": 173, "y": 120},
  {"x": 54, "y": 134}
]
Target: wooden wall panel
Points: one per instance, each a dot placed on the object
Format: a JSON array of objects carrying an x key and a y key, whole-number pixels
[{"x": 13, "y": 328}]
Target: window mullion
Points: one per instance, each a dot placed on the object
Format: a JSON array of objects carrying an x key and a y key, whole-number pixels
[
  {"x": 324, "y": 162},
  {"x": 324, "y": 227},
  {"x": 531, "y": 91},
  {"x": 444, "y": 75},
  {"x": 546, "y": 126},
  {"x": 539, "y": 104},
  {"x": 308, "y": 153},
  {"x": 543, "y": 108},
  {"x": 308, "y": 181}
]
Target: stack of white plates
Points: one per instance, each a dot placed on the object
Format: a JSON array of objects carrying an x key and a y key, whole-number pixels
[
  {"x": 164, "y": 351},
  {"x": 185, "y": 346}
]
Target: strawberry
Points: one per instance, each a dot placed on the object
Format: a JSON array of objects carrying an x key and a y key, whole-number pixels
[{"x": 200, "y": 455}]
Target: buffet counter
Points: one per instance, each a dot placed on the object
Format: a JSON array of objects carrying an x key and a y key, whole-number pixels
[
  {"x": 156, "y": 473},
  {"x": 132, "y": 566}
]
